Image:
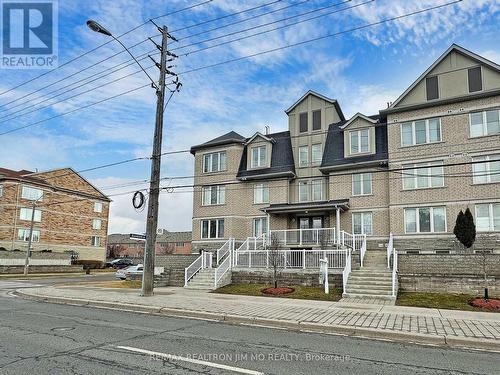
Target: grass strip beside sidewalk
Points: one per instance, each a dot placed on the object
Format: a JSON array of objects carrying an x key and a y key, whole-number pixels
[
  {"x": 300, "y": 292},
  {"x": 450, "y": 301}
]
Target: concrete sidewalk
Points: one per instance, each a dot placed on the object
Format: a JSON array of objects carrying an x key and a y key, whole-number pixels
[{"x": 476, "y": 330}]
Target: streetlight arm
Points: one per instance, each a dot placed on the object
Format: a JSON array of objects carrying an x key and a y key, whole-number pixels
[{"x": 137, "y": 61}]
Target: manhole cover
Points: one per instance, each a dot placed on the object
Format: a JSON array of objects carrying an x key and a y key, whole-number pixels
[{"x": 63, "y": 329}]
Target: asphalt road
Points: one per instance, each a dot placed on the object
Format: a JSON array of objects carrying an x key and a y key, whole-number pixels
[{"x": 43, "y": 338}]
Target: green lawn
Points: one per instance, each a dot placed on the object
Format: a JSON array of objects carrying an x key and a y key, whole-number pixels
[
  {"x": 437, "y": 300},
  {"x": 300, "y": 292}
]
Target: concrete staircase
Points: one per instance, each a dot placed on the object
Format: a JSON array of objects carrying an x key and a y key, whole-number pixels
[
  {"x": 374, "y": 280},
  {"x": 204, "y": 279}
]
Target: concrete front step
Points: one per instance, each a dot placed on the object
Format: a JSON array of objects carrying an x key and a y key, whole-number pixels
[
  {"x": 358, "y": 295},
  {"x": 370, "y": 292},
  {"x": 371, "y": 274},
  {"x": 379, "y": 288}
]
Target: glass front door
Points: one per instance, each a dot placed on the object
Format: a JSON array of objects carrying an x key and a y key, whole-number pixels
[{"x": 315, "y": 222}]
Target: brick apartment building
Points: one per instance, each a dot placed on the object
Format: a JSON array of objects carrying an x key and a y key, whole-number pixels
[
  {"x": 166, "y": 243},
  {"x": 407, "y": 170},
  {"x": 70, "y": 213}
]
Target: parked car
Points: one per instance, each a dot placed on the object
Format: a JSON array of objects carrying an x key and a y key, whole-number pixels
[
  {"x": 120, "y": 263},
  {"x": 123, "y": 273}
]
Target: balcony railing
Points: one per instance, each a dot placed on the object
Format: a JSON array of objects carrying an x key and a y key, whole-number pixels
[{"x": 300, "y": 237}]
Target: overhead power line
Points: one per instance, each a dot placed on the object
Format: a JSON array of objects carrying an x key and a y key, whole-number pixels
[
  {"x": 129, "y": 61},
  {"x": 104, "y": 44}
]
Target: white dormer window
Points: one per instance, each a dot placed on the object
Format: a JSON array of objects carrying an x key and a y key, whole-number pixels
[
  {"x": 258, "y": 157},
  {"x": 359, "y": 140},
  {"x": 214, "y": 162}
]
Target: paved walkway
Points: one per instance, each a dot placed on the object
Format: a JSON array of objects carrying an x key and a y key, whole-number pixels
[{"x": 411, "y": 324}]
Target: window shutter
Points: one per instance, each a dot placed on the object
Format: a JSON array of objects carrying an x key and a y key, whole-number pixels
[
  {"x": 475, "y": 81},
  {"x": 431, "y": 84}
]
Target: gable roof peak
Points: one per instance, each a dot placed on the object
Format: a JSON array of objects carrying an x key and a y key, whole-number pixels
[
  {"x": 259, "y": 134},
  {"x": 356, "y": 116},
  {"x": 311, "y": 92},
  {"x": 453, "y": 47}
]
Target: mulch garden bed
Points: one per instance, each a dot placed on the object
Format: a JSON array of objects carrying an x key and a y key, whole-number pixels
[
  {"x": 278, "y": 291},
  {"x": 486, "y": 304}
]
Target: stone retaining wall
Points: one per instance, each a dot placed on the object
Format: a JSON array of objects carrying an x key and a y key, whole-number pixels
[
  {"x": 175, "y": 261},
  {"x": 288, "y": 277},
  {"x": 454, "y": 273},
  {"x": 17, "y": 258},
  {"x": 40, "y": 269}
]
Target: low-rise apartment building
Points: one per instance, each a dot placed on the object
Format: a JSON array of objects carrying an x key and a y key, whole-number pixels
[
  {"x": 408, "y": 170},
  {"x": 70, "y": 214}
]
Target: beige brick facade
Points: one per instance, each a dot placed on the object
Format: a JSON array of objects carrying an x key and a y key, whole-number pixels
[
  {"x": 385, "y": 204},
  {"x": 67, "y": 214}
]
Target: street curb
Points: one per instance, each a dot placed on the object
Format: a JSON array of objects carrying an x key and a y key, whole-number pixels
[{"x": 361, "y": 332}]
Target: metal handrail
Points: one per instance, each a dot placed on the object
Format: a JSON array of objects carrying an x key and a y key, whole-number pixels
[
  {"x": 346, "y": 271},
  {"x": 394, "y": 273},
  {"x": 362, "y": 251},
  {"x": 222, "y": 269},
  {"x": 390, "y": 249},
  {"x": 224, "y": 249}
]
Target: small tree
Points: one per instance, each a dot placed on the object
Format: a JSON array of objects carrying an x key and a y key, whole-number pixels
[
  {"x": 275, "y": 259},
  {"x": 465, "y": 229}
]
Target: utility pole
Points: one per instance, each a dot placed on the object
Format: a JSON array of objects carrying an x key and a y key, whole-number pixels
[
  {"x": 30, "y": 240},
  {"x": 154, "y": 185}
]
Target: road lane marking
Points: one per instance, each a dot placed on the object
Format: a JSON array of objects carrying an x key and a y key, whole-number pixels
[{"x": 191, "y": 360}]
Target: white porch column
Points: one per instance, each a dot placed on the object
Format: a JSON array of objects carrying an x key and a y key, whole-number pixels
[{"x": 337, "y": 218}]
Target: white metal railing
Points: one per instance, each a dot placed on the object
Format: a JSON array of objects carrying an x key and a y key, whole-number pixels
[
  {"x": 362, "y": 251},
  {"x": 203, "y": 261},
  {"x": 296, "y": 259},
  {"x": 394, "y": 273},
  {"x": 346, "y": 271},
  {"x": 254, "y": 243},
  {"x": 225, "y": 249},
  {"x": 354, "y": 241},
  {"x": 223, "y": 268},
  {"x": 313, "y": 236},
  {"x": 390, "y": 248}
]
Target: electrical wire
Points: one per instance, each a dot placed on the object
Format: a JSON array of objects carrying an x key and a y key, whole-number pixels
[{"x": 104, "y": 44}]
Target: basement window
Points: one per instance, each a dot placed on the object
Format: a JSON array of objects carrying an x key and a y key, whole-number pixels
[
  {"x": 412, "y": 251},
  {"x": 442, "y": 251}
]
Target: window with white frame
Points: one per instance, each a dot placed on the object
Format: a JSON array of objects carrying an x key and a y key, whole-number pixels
[
  {"x": 98, "y": 207},
  {"x": 421, "y": 132},
  {"x": 213, "y": 195},
  {"x": 484, "y": 123},
  {"x": 214, "y": 162},
  {"x": 31, "y": 193},
  {"x": 258, "y": 157},
  {"x": 362, "y": 223},
  {"x": 317, "y": 190},
  {"x": 423, "y": 175},
  {"x": 304, "y": 193},
  {"x": 259, "y": 226},
  {"x": 95, "y": 241},
  {"x": 360, "y": 141},
  {"x": 24, "y": 235},
  {"x": 303, "y": 156},
  {"x": 486, "y": 169},
  {"x": 488, "y": 217},
  {"x": 425, "y": 219},
  {"x": 212, "y": 228},
  {"x": 96, "y": 224},
  {"x": 260, "y": 193},
  {"x": 316, "y": 154},
  {"x": 25, "y": 214},
  {"x": 362, "y": 184}
]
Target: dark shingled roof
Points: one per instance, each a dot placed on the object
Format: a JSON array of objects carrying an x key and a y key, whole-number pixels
[
  {"x": 333, "y": 156},
  {"x": 281, "y": 159},
  {"x": 228, "y": 138}
]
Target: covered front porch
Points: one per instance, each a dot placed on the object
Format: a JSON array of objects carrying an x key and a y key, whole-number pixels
[{"x": 307, "y": 225}]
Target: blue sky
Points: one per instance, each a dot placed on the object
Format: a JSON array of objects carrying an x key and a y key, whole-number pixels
[{"x": 363, "y": 70}]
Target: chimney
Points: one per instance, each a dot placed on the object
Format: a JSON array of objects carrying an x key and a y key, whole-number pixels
[{"x": 268, "y": 129}]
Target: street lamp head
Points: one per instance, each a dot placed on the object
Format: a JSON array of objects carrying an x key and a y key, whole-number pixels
[{"x": 94, "y": 26}]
